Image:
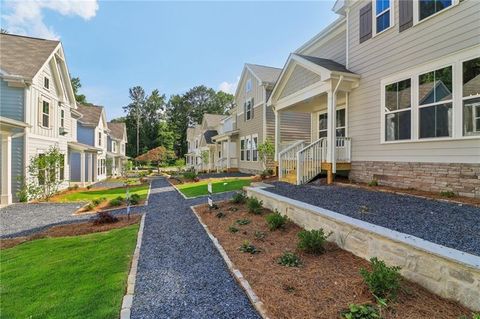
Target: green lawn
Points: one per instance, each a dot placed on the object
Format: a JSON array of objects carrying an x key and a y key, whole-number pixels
[
  {"x": 67, "y": 277},
  {"x": 89, "y": 195},
  {"x": 218, "y": 186}
]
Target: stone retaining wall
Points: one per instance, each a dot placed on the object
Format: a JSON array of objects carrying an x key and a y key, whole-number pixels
[
  {"x": 444, "y": 271},
  {"x": 461, "y": 178}
]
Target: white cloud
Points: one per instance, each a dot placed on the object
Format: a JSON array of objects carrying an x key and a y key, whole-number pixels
[
  {"x": 26, "y": 16},
  {"x": 228, "y": 87}
]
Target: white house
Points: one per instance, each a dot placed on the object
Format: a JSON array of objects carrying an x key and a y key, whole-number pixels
[{"x": 116, "y": 147}]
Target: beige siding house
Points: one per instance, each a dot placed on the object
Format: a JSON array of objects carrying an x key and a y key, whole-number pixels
[{"x": 394, "y": 96}]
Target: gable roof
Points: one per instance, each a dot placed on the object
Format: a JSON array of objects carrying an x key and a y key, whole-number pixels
[
  {"x": 117, "y": 130},
  {"x": 212, "y": 120},
  {"x": 208, "y": 136},
  {"x": 24, "y": 56},
  {"x": 326, "y": 63},
  {"x": 265, "y": 74},
  {"x": 90, "y": 114}
]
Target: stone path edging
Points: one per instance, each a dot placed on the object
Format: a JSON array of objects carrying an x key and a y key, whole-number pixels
[
  {"x": 128, "y": 297},
  {"x": 252, "y": 296}
]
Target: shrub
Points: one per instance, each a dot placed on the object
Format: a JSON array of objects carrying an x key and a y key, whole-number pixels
[
  {"x": 373, "y": 182},
  {"x": 97, "y": 201},
  {"x": 254, "y": 206},
  {"x": 89, "y": 207},
  {"x": 134, "y": 199},
  {"x": 312, "y": 241},
  {"x": 248, "y": 248},
  {"x": 232, "y": 209},
  {"x": 361, "y": 312},
  {"x": 276, "y": 221},
  {"x": 89, "y": 186},
  {"x": 232, "y": 229},
  {"x": 239, "y": 198},
  {"x": 190, "y": 175},
  {"x": 243, "y": 221},
  {"x": 104, "y": 218},
  {"x": 447, "y": 194},
  {"x": 220, "y": 215},
  {"x": 289, "y": 259},
  {"x": 260, "y": 235},
  {"x": 382, "y": 281},
  {"x": 116, "y": 201},
  {"x": 22, "y": 194}
]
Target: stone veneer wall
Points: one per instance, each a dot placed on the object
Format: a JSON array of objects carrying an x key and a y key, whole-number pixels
[
  {"x": 461, "y": 178},
  {"x": 444, "y": 271}
]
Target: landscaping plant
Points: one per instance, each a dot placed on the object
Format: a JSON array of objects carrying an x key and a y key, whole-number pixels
[
  {"x": 98, "y": 201},
  {"x": 312, "y": 241},
  {"x": 260, "y": 235},
  {"x": 116, "y": 201},
  {"x": 239, "y": 198},
  {"x": 447, "y": 194},
  {"x": 254, "y": 206},
  {"x": 361, "y": 312},
  {"x": 382, "y": 281},
  {"x": 190, "y": 175},
  {"x": 248, "y": 248},
  {"x": 104, "y": 218},
  {"x": 243, "y": 221},
  {"x": 289, "y": 259},
  {"x": 373, "y": 182},
  {"x": 220, "y": 215},
  {"x": 232, "y": 229},
  {"x": 134, "y": 199},
  {"x": 276, "y": 221}
]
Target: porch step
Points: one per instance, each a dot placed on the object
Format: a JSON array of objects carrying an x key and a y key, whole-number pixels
[{"x": 290, "y": 177}]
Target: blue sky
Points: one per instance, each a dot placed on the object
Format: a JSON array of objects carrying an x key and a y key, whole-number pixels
[{"x": 172, "y": 46}]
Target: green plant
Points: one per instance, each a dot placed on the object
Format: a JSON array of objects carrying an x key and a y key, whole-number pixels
[
  {"x": 276, "y": 221},
  {"x": 289, "y": 259},
  {"x": 474, "y": 316},
  {"x": 254, "y": 205},
  {"x": 312, "y": 241},
  {"x": 89, "y": 207},
  {"x": 260, "y": 235},
  {"x": 220, "y": 215},
  {"x": 266, "y": 151},
  {"x": 190, "y": 175},
  {"x": 361, "y": 312},
  {"x": 89, "y": 186},
  {"x": 134, "y": 199},
  {"x": 248, "y": 248},
  {"x": 232, "y": 209},
  {"x": 232, "y": 229},
  {"x": 98, "y": 201},
  {"x": 239, "y": 198},
  {"x": 382, "y": 281},
  {"x": 116, "y": 201},
  {"x": 243, "y": 221},
  {"x": 22, "y": 194},
  {"x": 373, "y": 182},
  {"x": 447, "y": 194}
]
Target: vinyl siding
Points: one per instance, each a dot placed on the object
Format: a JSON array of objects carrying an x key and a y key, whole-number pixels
[
  {"x": 18, "y": 146},
  {"x": 85, "y": 135},
  {"x": 295, "y": 126},
  {"x": 299, "y": 79},
  {"x": 333, "y": 49},
  {"x": 12, "y": 102},
  {"x": 393, "y": 52}
]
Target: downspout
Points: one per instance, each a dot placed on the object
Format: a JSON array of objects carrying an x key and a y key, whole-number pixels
[{"x": 334, "y": 121}]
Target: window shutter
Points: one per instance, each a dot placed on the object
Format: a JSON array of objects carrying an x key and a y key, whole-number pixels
[
  {"x": 405, "y": 14},
  {"x": 40, "y": 110},
  {"x": 365, "y": 22},
  {"x": 244, "y": 111},
  {"x": 251, "y": 101}
]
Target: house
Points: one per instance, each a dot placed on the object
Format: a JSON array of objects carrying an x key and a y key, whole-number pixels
[
  {"x": 393, "y": 91},
  {"x": 89, "y": 165},
  {"x": 226, "y": 145},
  {"x": 116, "y": 146},
  {"x": 37, "y": 108},
  {"x": 255, "y": 121}
]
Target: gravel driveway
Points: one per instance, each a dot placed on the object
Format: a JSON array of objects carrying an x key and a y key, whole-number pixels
[
  {"x": 180, "y": 272},
  {"x": 452, "y": 225}
]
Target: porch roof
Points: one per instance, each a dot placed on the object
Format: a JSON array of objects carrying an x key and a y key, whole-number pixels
[
  {"x": 8, "y": 124},
  {"x": 224, "y": 136},
  {"x": 83, "y": 147}
]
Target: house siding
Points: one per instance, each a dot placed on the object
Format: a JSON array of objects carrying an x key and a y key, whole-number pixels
[
  {"x": 12, "y": 102},
  {"x": 18, "y": 171},
  {"x": 85, "y": 135},
  {"x": 334, "y": 48},
  {"x": 299, "y": 79},
  {"x": 450, "y": 31}
]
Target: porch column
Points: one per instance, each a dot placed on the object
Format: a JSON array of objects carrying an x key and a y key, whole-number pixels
[
  {"x": 277, "y": 134},
  {"x": 95, "y": 167},
  {"x": 6, "y": 197},
  {"x": 90, "y": 167},
  {"x": 82, "y": 168},
  {"x": 331, "y": 134},
  {"x": 228, "y": 153}
]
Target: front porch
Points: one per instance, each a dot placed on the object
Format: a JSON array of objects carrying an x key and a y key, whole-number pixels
[
  {"x": 84, "y": 169},
  {"x": 225, "y": 151},
  {"x": 321, "y": 88}
]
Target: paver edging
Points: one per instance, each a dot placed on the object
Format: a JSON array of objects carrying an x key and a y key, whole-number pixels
[
  {"x": 252, "y": 296},
  {"x": 128, "y": 297}
]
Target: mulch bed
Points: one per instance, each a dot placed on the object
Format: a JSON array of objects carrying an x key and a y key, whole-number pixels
[
  {"x": 323, "y": 285},
  {"x": 75, "y": 229}
]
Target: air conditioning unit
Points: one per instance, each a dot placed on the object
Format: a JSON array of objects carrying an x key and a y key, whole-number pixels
[{"x": 62, "y": 131}]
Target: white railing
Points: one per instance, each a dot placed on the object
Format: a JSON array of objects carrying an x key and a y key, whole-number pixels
[
  {"x": 222, "y": 163},
  {"x": 287, "y": 159},
  {"x": 343, "y": 151}
]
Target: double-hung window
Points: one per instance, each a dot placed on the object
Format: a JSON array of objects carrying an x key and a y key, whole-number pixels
[
  {"x": 254, "y": 148},
  {"x": 248, "y": 110},
  {"x": 435, "y": 103},
  {"x": 46, "y": 83},
  {"x": 383, "y": 15},
  {"x": 471, "y": 97},
  {"x": 427, "y": 8},
  {"x": 340, "y": 125},
  {"x": 99, "y": 138},
  {"x": 249, "y": 148},
  {"x": 242, "y": 149},
  {"x": 45, "y": 114},
  {"x": 62, "y": 118},
  {"x": 398, "y": 98}
]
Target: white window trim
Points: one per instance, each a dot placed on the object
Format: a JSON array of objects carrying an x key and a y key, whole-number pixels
[
  {"x": 248, "y": 148},
  {"x": 455, "y": 60},
  {"x": 416, "y": 11},
  {"x": 243, "y": 150},
  {"x": 62, "y": 118},
  {"x": 340, "y": 107},
  {"x": 391, "y": 8},
  {"x": 466, "y": 98},
  {"x": 49, "y": 114},
  {"x": 248, "y": 85},
  {"x": 412, "y": 89},
  {"x": 45, "y": 79},
  {"x": 253, "y": 149},
  {"x": 247, "y": 103}
]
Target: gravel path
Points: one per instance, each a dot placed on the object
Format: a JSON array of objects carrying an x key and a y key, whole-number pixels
[
  {"x": 452, "y": 225},
  {"x": 180, "y": 272}
]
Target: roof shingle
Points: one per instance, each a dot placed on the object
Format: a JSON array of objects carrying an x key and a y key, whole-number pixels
[
  {"x": 265, "y": 73},
  {"x": 90, "y": 114},
  {"x": 117, "y": 130}
]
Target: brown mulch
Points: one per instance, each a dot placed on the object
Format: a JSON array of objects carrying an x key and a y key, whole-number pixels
[
  {"x": 71, "y": 230},
  {"x": 323, "y": 286}
]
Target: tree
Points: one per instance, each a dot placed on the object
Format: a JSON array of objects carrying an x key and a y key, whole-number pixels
[
  {"x": 76, "y": 85},
  {"x": 137, "y": 95},
  {"x": 178, "y": 116},
  {"x": 225, "y": 101},
  {"x": 205, "y": 155},
  {"x": 159, "y": 155},
  {"x": 266, "y": 151}
]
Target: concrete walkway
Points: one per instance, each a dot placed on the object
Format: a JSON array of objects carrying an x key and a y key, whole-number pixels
[{"x": 180, "y": 272}]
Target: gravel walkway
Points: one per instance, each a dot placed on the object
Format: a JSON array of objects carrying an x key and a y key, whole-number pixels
[
  {"x": 452, "y": 225},
  {"x": 180, "y": 272}
]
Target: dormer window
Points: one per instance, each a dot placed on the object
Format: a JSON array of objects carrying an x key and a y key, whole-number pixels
[
  {"x": 248, "y": 86},
  {"x": 46, "y": 83}
]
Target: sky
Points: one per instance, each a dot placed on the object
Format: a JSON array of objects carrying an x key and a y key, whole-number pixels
[{"x": 169, "y": 46}]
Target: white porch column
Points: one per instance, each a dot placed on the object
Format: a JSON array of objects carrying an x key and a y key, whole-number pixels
[
  {"x": 331, "y": 132},
  {"x": 82, "y": 168},
  {"x": 95, "y": 167},
  {"x": 90, "y": 167},
  {"x": 6, "y": 196},
  {"x": 277, "y": 134},
  {"x": 228, "y": 153}
]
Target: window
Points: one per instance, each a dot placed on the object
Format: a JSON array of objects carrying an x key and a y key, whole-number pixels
[
  {"x": 398, "y": 100},
  {"x": 46, "y": 83},
  {"x": 254, "y": 148},
  {"x": 62, "y": 118},
  {"x": 114, "y": 146},
  {"x": 341, "y": 124},
  {"x": 382, "y": 15},
  {"x": 249, "y": 109},
  {"x": 248, "y": 85},
  {"x": 99, "y": 167},
  {"x": 471, "y": 97},
  {"x": 99, "y": 138},
  {"x": 242, "y": 149},
  {"x": 322, "y": 125},
  {"x": 435, "y": 103},
  {"x": 45, "y": 114},
  {"x": 196, "y": 143},
  {"x": 123, "y": 148},
  {"x": 249, "y": 147},
  {"x": 427, "y": 8}
]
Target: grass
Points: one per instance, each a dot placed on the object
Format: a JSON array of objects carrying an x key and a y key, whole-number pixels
[
  {"x": 129, "y": 180},
  {"x": 218, "y": 186},
  {"x": 67, "y": 277},
  {"x": 89, "y": 195}
]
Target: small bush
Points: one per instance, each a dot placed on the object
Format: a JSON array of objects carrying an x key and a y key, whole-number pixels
[
  {"x": 89, "y": 186},
  {"x": 382, "y": 281},
  {"x": 22, "y": 194},
  {"x": 373, "y": 182},
  {"x": 361, "y": 312},
  {"x": 276, "y": 221},
  {"x": 447, "y": 194},
  {"x": 190, "y": 175},
  {"x": 312, "y": 241},
  {"x": 233, "y": 209},
  {"x": 134, "y": 199},
  {"x": 243, "y": 221},
  {"x": 239, "y": 198},
  {"x": 289, "y": 259},
  {"x": 248, "y": 248},
  {"x": 260, "y": 235},
  {"x": 254, "y": 206},
  {"x": 474, "y": 316},
  {"x": 116, "y": 202},
  {"x": 104, "y": 218},
  {"x": 98, "y": 201},
  {"x": 75, "y": 187},
  {"x": 220, "y": 215},
  {"x": 232, "y": 229},
  {"x": 89, "y": 207}
]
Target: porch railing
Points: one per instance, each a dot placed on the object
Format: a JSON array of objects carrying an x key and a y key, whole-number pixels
[{"x": 287, "y": 159}]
